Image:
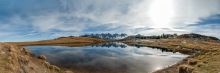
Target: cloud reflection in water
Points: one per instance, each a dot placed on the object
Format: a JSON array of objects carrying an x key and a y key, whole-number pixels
[{"x": 110, "y": 59}]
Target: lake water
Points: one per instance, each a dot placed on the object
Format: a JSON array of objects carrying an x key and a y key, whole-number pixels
[{"x": 108, "y": 58}]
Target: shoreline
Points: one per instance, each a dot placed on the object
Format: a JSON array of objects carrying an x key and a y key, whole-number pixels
[
  {"x": 17, "y": 59},
  {"x": 203, "y": 56},
  {"x": 199, "y": 53},
  {"x": 26, "y": 62},
  {"x": 181, "y": 62}
]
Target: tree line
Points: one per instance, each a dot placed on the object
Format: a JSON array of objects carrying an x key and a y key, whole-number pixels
[{"x": 163, "y": 36}]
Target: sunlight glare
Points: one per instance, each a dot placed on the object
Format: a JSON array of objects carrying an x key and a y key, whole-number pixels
[
  {"x": 157, "y": 68},
  {"x": 161, "y": 12}
]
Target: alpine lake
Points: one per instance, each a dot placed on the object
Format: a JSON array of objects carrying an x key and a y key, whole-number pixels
[{"x": 108, "y": 58}]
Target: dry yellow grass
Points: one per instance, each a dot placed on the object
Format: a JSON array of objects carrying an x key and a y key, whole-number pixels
[
  {"x": 69, "y": 41},
  {"x": 191, "y": 61},
  {"x": 15, "y": 59},
  {"x": 207, "y": 59},
  {"x": 185, "y": 69}
]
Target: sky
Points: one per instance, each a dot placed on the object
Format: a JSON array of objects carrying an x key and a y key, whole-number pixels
[{"x": 30, "y": 20}]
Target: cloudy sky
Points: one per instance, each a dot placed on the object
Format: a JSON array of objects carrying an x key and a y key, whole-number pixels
[{"x": 29, "y": 20}]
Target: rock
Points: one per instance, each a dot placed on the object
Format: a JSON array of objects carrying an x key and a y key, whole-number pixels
[{"x": 42, "y": 57}]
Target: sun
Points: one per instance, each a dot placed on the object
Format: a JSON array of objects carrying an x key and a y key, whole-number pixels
[{"x": 161, "y": 12}]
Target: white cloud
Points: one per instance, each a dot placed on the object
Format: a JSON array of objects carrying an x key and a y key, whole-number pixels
[
  {"x": 80, "y": 15},
  {"x": 55, "y": 21}
]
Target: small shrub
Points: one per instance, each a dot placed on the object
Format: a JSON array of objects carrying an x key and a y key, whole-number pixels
[
  {"x": 47, "y": 64},
  {"x": 27, "y": 52},
  {"x": 42, "y": 57},
  {"x": 53, "y": 67},
  {"x": 56, "y": 68}
]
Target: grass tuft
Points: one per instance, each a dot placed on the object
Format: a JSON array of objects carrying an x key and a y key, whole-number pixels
[
  {"x": 185, "y": 69},
  {"x": 191, "y": 61}
]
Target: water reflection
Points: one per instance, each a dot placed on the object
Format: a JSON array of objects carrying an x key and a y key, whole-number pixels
[
  {"x": 122, "y": 45},
  {"x": 107, "y": 58},
  {"x": 159, "y": 48},
  {"x": 112, "y": 44}
]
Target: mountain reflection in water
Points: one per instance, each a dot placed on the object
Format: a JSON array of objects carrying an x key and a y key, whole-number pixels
[
  {"x": 108, "y": 58},
  {"x": 121, "y": 45}
]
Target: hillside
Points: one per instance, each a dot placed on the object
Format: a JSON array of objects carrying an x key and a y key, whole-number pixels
[
  {"x": 204, "y": 52},
  {"x": 195, "y": 36},
  {"x": 15, "y": 59},
  {"x": 63, "y": 41}
]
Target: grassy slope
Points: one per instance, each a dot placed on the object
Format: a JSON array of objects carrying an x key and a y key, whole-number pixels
[
  {"x": 15, "y": 59},
  {"x": 69, "y": 41},
  {"x": 208, "y": 58}
]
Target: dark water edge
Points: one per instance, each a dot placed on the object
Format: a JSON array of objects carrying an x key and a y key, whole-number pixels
[{"x": 109, "y": 58}]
